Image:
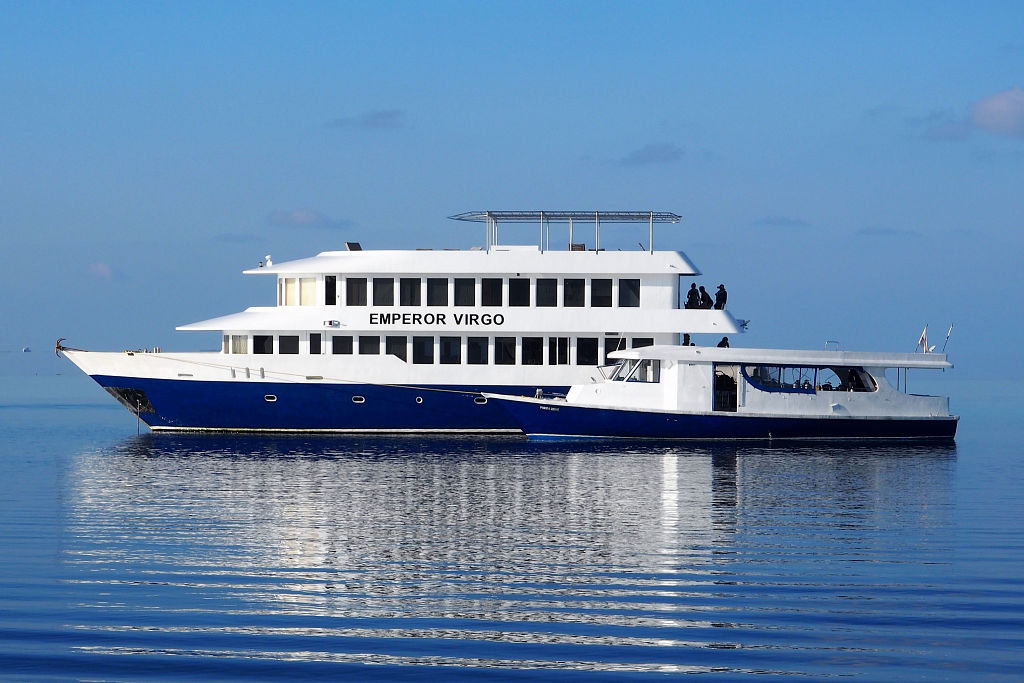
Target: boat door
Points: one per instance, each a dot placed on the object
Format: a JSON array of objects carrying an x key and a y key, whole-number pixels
[{"x": 725, "y": 388}]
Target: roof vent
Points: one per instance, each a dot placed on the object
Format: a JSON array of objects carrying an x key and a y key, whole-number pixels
[{"x": 353, "y": 246}]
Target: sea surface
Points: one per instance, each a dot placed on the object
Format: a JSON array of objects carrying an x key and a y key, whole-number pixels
[{"x": 130, "y": 556}]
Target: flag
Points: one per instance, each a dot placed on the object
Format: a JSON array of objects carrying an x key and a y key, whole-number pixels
[{"x": 923, "y": 341}]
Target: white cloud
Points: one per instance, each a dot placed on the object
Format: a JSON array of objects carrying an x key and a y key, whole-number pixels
[
  {"x": 306, "y": 218},
  {"x": 1001, "y": 114},
  {"x": 101, "y": 270}
]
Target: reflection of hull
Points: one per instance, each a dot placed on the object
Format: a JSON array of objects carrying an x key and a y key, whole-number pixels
[
  {"x": 547, "y": 418},
  {"x": 167, "y": 404}
]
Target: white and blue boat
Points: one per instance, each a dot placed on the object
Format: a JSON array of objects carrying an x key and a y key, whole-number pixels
[
  {"x": 691, "y": 392},
  {"x": 406, "y": 340}
]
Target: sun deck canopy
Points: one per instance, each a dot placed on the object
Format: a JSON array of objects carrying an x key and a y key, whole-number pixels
[{"x": 744, "y": 356}]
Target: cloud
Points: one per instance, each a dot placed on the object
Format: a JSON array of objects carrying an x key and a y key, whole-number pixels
[
  {"x": 305, "y": 218},
  {"x": 886, "y": 232},
  {"x": 1001, "y": 114},
  {"x": 374, "y": 119},
  {"x": 782, "y": 222},
  {"x": 943, "y": 125},
  {"x": 102, "y": 271},
  {"x": 654, "y": 153}
]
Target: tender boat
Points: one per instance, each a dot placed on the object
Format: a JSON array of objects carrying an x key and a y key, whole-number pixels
[
  {"x": 691, "y": 392},
  {"x": 405, "y": 340}
]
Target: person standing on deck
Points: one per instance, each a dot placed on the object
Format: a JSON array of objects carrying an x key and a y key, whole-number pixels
[
  {"x": 692, "y": 297},
  {"x": 705, "y": 298},
  {"x": 720, "y": 297}
]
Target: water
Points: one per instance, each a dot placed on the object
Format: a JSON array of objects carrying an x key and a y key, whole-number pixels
[{"x": 155, "y": 557}]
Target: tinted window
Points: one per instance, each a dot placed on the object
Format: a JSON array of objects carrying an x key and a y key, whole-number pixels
[
  {"x": 314, "y": 342},
  {"x": 476, "y": 350},
  {"x": 547, "y": 291},
  {"x": 341, "y": 344},
  {"x": 383, "y": 291},
  {"x": 451, "y": 350},
  {"x": 288, "y": 344},
  {"x": 504, "y": 350},
  {"x": 409, "y": 291},
  {"x": 437, "y": 291},
  {"x": 395, "y": 346},
  {"x": 262, "y": 343},
  {"x": 533, "y": 350},
  {"x": 490, "y": 291},
  {"x": 423, "y": 350},
  {"x": 629, "y": 293},
  {"x": 586, "y": 351},
  {"x": 642, "y": 341},
  {"x": 519, "y": 291},
  {"x": 573, "y": 292},
  {"x": 331, "y": 290},
  {"x": 355, "y": 291},
  {"x": 613, "y": 344},
  {"x": 601, "y": 293},
  {"x": 465, "y": 291},
  {"x": 369, "y": 345},
  {"x": 558, "y": 350}
]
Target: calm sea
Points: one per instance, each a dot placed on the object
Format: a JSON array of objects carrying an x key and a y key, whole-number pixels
[{"x": 129, "y": 557}]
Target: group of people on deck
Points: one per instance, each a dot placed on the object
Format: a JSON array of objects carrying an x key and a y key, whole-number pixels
[{"x": 698, "y": 297}]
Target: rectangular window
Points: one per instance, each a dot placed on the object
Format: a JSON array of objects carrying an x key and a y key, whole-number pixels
[
  {"x": 307, "y": 291},
  {"x": 547, "y": 291},
  {"x": 437, "y": 291},
  {"x": 612, "y": 344},
  {"x": 573, "y": 292},
  {"x": 331, "y": 290},
  {"x": 629, "y": 293},
  {"x": 533, "y": 350},
  {"x": 491, "y": 291},
  {"x": 396, "y": 346},
  {"x": 383, "y": 291},
  {"x": 409, "y": 291},
  {"x": 642, "y": 341},
  {"x": 369, "y": 345},
  {"x": 355, "y": 291},
  {"x": 465, "y": 291},
  {"x": 423, "y": 350},
  {"x": 504, "y": 350},
  {"x": 601, "y": 292},
  {"x": 558, "y": 350},
  {"x": 586, "y": 351},
  {"x": 341, "y": 344},
  {"x": 314, "y": 343},
  {"x": 289, "y": 291},
  {"x": 476, "y": 350},
  {"x": 239, "y": 343},
  {"x": 288, "y": 343},
  {"x": 262, "y": 343},
  {"x": 451, "y": 350},
  {"x": 226, "y": 345},
  {"x": 518, "y": 291}
]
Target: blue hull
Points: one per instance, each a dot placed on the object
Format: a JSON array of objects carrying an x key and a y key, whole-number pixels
[
  {"x": 309, "y": 407},
  {"x": 566, "y": 421}
]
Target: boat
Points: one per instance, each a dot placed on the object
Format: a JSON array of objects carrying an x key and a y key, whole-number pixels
[
  {"x": 707, "y": 393},
  {"x": 364, "y": 340}
]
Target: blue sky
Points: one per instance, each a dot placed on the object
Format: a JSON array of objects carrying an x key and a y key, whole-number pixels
[{"x": 851, "y": 171}]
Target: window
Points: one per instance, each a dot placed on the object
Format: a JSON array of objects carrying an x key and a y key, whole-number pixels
[
  {"x": 476, "y": 350},
  {"x": 547, "y": 291},
  {"x": 289, "y": 291},
  {"x": 451, "y": 350},
  {"x": 288, "y": 343},
  {"x": 262, "y": 343},
  {"x": 639, "y": 342},
  {"x": 586, "y": 351},
  {"x": 307, "y": 291},
  {"x": 634, "y": 370},
  {"x": 383, "y": 291},
  {"x": 341, "y": 344},
  {"x": 533, "y": 350},
  {"x": 396, "y": 346},
  {"x": 504, "y": 350},
  {"x": 314, "y": 342},
  {"x": 409, "y": 291},
  {"x": 465, "y": 291},
  {"x": 226, "y": 345},
  {"x": 601, "y": 293},
  {"x": 369, "y": 345},
  {"x": 558, "y": 350},
  {"x": 239, "y": 343},
  {"x": 437, "y": 291},
  {"x": 331, "y": 290},
  {"x": 612, "y": 344},
  {"x": 423, "y": 350},
  {"x": 490, "y": 291},
  {"x": 629, "y": 293},
  {"x": 573, "y": 292},
  {"x": 518, "y": 291},
  {"x": 355, "y": 291}
]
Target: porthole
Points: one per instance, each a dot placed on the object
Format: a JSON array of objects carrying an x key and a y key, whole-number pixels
[
  {"x": 419, "y": 399},
  {"x": 358, "y": 399},
  {"x": 480, "y": 400},
  {"x": 270, "y": 398}
]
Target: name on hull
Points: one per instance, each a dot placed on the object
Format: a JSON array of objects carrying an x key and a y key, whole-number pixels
[{"x": 496, "y": 319}]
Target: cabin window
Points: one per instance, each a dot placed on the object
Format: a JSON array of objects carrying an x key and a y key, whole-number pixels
[
  {"x": 423, "y": 350},
  {"x": 504, "y": 350},
  {"x": 518, "y": 291},
  {"x": 355, "y": 291},
  {"x": 465, "y": 291},
  {"x": 314, "y": 342},
  {"x": 586, "y": 351},
  {"x": 369, "y": 345},
  {"x": 437, "y": 291},
  {"x": 491, "y": 291},
  {"x": 558, "y": 350},
  {"x": 451, "y": 350},
  {"x": 383, "y": 291},
  {"x": 226, "y": 344},
  {"x": 629, "y": 293},
  {"x": 547, "y": 291},
  {"x": 601, "y": 293},
  {"x": 396, "y": 346},
  {"x": 330, "y": 290},
  {"x": 288, "y": 343},
  {"x": 788, "y": 378},
  {"x": 613, "y": 344},
  {"x": 409, "y": 291},
  {"x": 262, "y": 343},
  {"x": 638, "y": 370},
  {"x": 341, "y": 344},
  {"x": 476, "y": 350},
  {"x": 290, "y": 294},
  {"x": 307, "y": 291},
  {"x": 533, "y": 350},
  {"x": 239, "y": 343},
  {"x": 573, "y": 292},
  {"x": 639, "y": 342},
  {"x": 845, "y": 378}
]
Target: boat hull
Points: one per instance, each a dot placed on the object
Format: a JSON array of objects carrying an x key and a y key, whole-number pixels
[{"x": 554, "y": 419}]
